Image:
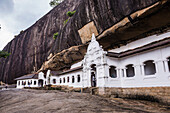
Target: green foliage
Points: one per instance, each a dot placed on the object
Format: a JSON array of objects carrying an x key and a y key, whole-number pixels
[
  {"x": 21, "y": 31},
  {"x": 54, "y": 3},
  {"x": 65, "y": 22},
  {"x": 55, "y": 35},
  {"x": 70, "y": 13},
  {"x": 4, "y": 54}
]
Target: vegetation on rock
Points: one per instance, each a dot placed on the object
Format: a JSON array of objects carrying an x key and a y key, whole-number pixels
[
  {"x": 55, "y": 35},
  {"x": 70, "y": 14},
  {"x": 54, "y": 3},
  {"x": 65, "y": 22},
  {"x": 4, "y": 54}
]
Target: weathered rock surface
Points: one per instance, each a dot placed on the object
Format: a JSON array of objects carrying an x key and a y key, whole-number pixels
[
  {"x": 150, "y": 20},
  {"x": 32, "y": 47}
]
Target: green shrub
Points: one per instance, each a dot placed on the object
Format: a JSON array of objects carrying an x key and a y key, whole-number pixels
[
  {"x": 4, "y": 54},
  {"x": 55, "y": 35},
  {"x": 70, "y": 13}
]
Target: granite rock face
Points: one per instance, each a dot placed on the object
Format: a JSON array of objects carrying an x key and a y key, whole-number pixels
[{"x": 32, "y": 47}]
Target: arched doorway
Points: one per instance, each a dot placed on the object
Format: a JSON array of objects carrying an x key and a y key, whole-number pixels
[
  {"x": 40, "y": 83},
  {"x": 93, "y": 75}
]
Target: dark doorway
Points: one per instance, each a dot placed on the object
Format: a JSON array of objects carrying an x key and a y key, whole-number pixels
[
  {"x": 93, "y": 75},
  {"x": 40, "y": 83}
]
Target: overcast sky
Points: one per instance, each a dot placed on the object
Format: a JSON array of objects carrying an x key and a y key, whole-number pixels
[{"x": 17, "y": 15}]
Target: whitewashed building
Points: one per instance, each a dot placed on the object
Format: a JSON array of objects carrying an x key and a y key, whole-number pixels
[
  {"x": 142, "y": 63},
  {"x": 31, "y": 80}
]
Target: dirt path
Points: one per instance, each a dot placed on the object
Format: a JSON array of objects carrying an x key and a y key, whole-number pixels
[{"x": 41, "y": 101}]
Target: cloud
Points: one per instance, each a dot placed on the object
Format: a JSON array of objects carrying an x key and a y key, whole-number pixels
[
  {"x": 6, "y": 7},
  {"x": 17, "y": 15}
]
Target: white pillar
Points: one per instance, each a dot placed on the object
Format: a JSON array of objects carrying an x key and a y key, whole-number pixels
[
  {"x": 143, "y": 70},
  {"x": 156, "y": 66},
  {"x": 166, "y": 66},
  {"x": 124, "y": 70}
]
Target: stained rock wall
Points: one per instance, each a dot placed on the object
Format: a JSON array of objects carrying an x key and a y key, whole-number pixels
[{"x": 32, "y": 47}]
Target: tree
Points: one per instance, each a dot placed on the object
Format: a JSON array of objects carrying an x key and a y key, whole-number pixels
[
  {"x": 54, "y": 3},
  {"x": 4, "y": 54}
]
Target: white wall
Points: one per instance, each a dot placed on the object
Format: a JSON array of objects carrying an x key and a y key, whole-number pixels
[
  {"x": 26, "y": 81},
  {"x": 76, "y": 65},
  {"x": 160, "y": 78},
  {"x": 70, "y": 84}
]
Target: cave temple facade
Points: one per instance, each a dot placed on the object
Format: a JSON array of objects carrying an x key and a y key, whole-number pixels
[{"x": 141, "y": 63}]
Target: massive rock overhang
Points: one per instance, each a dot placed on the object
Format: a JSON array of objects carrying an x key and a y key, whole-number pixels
[{"x": 151, "y": 20}]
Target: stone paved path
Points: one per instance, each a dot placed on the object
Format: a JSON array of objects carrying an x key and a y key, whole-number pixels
[{"x": 41, "y": 101}]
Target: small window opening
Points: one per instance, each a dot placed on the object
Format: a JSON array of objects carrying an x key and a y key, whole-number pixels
[
  {"x": 149, "y": 67},
  {"x": 72, "y": 79},
  {"x": 54, "y": 81},
  {"x": 130, "y": 70},
  {"x": 112, "y": 72},
  {"x": 78, "y": 78},
  {"x": 35, "y": 82},
  {"x": 169, "y": 63},
  {"x": 60, "y": 80}
]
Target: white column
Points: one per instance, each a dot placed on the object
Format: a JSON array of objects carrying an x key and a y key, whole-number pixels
[
  {"x": 124, "y": 70},
  {"x": 166, "y": 66},
  {"x": 117, "y": 72},
  {"x": 17, "y": 83},
  {"x": 142, "y": 69},
  {"x": 156, "y": 66}
]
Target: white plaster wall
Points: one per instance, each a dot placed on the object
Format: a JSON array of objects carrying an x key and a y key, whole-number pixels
[
  {"x": 76, "y": 65},
  {"x": 70, "y": 84},
  {"x": 160, "y": 78},
  {"x": 31, "y": 85},
  {"x": 141, "y": 42}
]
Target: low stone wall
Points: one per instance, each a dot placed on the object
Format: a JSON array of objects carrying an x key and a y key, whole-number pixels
[{"x": 155, "y": 94}]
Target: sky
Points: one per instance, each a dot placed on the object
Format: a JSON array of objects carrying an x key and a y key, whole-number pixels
[{"x": 17, "y": 15}]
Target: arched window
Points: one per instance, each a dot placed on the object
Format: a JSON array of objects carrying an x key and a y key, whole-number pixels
[
  {"x": 35, "y": 82},
  {"x": 169, "y": 63},
  {"x": 78, "y": 78},
  {"x": 112, "y": 72},
  {"x": 64, "y": 80},
  {"x": 130, "y": 71},
  {"x": 60, "y": 80},
  {"x": 18, "y": 82},
  {"x": 29, "y": 82},
  {"x": 149, "y": 67},
  {"x": 54, "y": 81},
  {"x": 68, "y": 79},
  {"x": 72, "y": 79}
]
